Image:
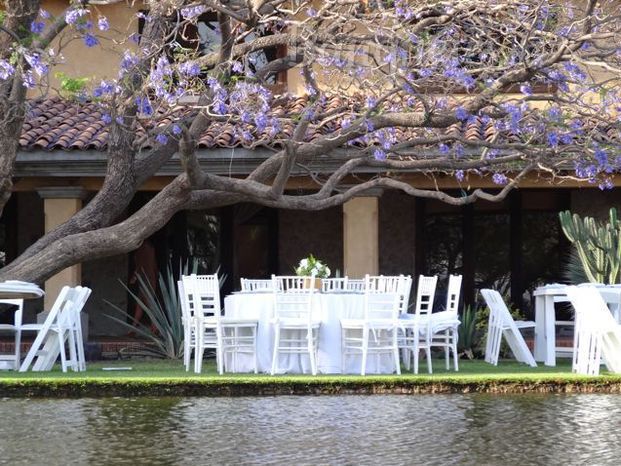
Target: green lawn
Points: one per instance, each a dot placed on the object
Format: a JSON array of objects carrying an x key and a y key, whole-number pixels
[{"x": 163, "y": 378}]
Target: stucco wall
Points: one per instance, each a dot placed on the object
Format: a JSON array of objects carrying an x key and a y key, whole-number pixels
[{"x": 303, "y": 233}]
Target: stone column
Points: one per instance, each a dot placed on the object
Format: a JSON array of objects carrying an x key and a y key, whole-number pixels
[
  {"x": 361, "y": 237},
  {"x": 59, "y": 205}
]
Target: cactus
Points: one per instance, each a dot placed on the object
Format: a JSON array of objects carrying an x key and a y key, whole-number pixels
[{"x": 598, "y": 245}]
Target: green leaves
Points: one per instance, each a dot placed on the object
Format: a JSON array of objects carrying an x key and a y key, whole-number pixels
[{"x": 69, "y": 86}]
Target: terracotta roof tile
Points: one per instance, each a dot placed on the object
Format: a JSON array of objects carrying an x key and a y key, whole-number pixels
[{"x": 56, "y": 124}]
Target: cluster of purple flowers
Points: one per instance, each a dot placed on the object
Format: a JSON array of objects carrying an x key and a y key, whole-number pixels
[{"x": 6, "y": 69}]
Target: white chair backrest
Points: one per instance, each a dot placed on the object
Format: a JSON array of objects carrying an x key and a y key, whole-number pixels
[
  {"x": 17, "y": 320},
  {"x": 425, "y": 293},
  {"x": 293, "y": 297},
  {"x": 334, "y": 285},
  {"x": 382, "y": 296},
  {"x": 249, "y": 285},
  {"x": 404, "y": 293},
  {"x": 452, "y": 293},
  {"x": 203, "y": 295},
  {"x": 183, "y": 302},
  {"x": 355, "y": 285}
]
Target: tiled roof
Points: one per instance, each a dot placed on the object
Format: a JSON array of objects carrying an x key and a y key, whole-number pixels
[{"x": 56, "y": 124}]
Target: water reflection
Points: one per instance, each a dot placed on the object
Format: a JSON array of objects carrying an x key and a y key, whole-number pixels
[{"x": 433, "y": 429}]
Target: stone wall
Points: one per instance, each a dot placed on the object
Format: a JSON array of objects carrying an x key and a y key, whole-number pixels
[{"x": 302, "y": 233}]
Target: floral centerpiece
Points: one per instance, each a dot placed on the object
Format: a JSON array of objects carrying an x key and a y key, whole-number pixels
[{"x": 310, "y": 265}]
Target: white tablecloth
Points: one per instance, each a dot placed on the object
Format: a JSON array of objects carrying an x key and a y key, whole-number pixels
[{"x": 328, "y": 308}]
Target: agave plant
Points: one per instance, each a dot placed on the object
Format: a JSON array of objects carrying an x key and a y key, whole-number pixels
[
  {"x": 468, "y": 339},
  {"x": 164, "y": 311}
]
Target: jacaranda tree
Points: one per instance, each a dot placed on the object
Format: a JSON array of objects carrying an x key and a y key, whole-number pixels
[{"x": 393, "y": 86}]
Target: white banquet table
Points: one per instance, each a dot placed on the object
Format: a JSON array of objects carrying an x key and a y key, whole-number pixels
[
  {"x": 545, "y": 317},
  {"x": 329, "y": 308}
]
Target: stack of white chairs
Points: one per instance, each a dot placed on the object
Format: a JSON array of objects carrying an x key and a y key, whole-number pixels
[
  {"x": 207, "y": 329},
  {"x": 355, "y": 285},
  {"x": 296, "y": 330},
  {"x": 597, "y": 335},
  {"x": 249, "y": 285},
  {"x": 15, "y": 329},
  {"x": 377, "y": 332},
  {"x": 62, "y": 326},
  {"x": 416, "y": 327},
  {"x": 501, "y": 324}
]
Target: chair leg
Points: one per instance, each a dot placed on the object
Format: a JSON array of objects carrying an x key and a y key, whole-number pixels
[
  {"x": 447, "y": 342},
  {"x": 311, "y": 350},
  {"x": 455, "y": 355},
  {"x": 63, "y": 356},
  {"x": 255, "y": 356},
  {"x": 365, "y": 350},
  {"x": 275, "y": 352},
  {"x": 396, "y": 352},
  {"x": 186, "y": 349},
  {"x": 18, "y": 344}
]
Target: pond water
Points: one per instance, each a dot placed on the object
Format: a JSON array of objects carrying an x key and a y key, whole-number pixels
[{"x": 424, "y": 429}]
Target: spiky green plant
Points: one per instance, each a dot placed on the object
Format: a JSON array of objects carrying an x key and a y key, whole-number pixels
[
  {"x": 597, "y": 245},
  {"x": 468, "y": 339},
  {"x": 163, "y": 309}
]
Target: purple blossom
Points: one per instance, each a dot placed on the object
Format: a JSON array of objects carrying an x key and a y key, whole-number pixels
[
  {"x": 44, "y": 14},
  {"x": 554, "y": 114},
  {"x": 103, "y": 24},
  {"x": 190, "y": 69},
  {"x": 144, "y": 106},
  {"x": 192, "y": 12},
  {"x": 459, "y": 175},
  {"x": 499, "y": 178},
  {"x": 461, "y": 113},
  {"x": 90, "y": 40},
  {"x": 73, "y": 16},
  {"x": 105, "y": 88},
  {"x": 119, "y": 120},
  {"x": 176, "y": 130},
  {"x": 37, "y": 27},
  {"x": 311, "y": 12},
  {"x": 6, "y": 69},
  {"x": 443, "y": 148},
  {"x": 36, "y": 64},
  {"x": 553, "y": 139},
  {"x": 161, "y": 138},
  {"x": 379, "y": 154},
  {"x": 129, "y": 61},
  {"x": 106, "y": 118},
  {"x": 237, "y": 67},
  {"x": 526, "y": 89},
  {"x": 28, "y": 80}
]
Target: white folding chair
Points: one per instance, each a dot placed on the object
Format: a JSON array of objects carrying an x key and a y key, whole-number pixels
[
  {"x": 189, "y": 324},
  {"x": 251, "y": 285},
  {"x": 376, "y": 333},
  {"x": 62, "y": 325},
  {"x": 355, "y": 285},
  {"x": 334, "y": 285},
  {"x": 501, "y": 324},
  {"x": 416, "y": 327},
  {"x": 597, "y": 335},
  {"x": 15, "y": 329},
  {"x": 212, "y": 331},
  {"x": 295, "y": 329},
  {"x": 444, "y": 326}
]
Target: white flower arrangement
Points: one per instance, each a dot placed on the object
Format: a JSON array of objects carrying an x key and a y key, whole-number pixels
[{"x": 309, "y": 266}]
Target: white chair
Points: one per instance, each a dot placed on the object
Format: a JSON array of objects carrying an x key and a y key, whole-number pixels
[
  {"x": 597, "y": 335},
  {"x": 444, "y": 326},
  {"x": 295, "y": 330},
  {"x": 212, "y": 331},
  {"x": 355, "y": 285},
  {"x": 15, "y": 329},
  {"x": 416, "y": 327},
  {"x": 62, "y": 325},
  {"x": 251, "y": 285},
  {"x": 334, "y": 285},
  {"x": 376, "y": 333},
  {"x": 189, "y": 325},
  {"x": 502, "y": 324}
]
